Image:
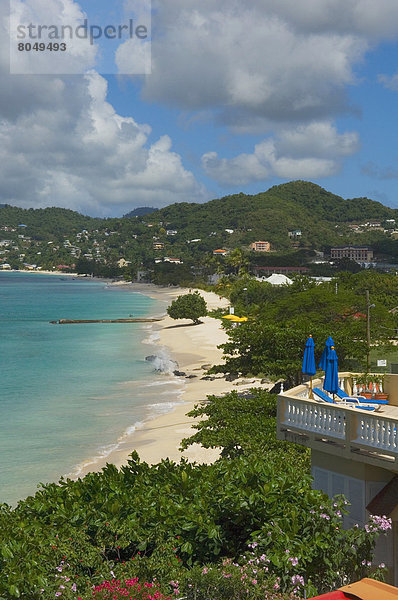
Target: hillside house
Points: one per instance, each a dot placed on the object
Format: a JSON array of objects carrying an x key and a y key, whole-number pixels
[
  {"x": 175, "y": 261},
  {"x": 220, "y": 252},
  {"x": 260, "y": 246}
]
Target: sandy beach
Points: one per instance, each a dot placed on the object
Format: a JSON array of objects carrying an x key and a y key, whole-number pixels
[{"x": 192, "y": 346}]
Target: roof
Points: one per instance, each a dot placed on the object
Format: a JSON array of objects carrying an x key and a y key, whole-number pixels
[
  {"x": 348, "y": 247},
  {"x": 366, "y": 589},
  {"x": 386, "y": 500},
  {"x": 279, "y": 279},
  {"x": 370, "y": 589}
]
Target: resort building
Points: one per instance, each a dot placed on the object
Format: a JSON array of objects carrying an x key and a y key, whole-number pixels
[
  {"x": 353, "y": 452},
  {"x": 220, "y": 252},
  {"x": 361, "y": 254},
  {"x": 260, "y": 247}
]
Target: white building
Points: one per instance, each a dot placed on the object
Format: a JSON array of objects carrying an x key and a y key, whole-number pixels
[{"x": 353, "y": 452}]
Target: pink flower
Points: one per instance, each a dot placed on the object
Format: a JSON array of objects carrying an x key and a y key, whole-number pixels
[{"x": 298, "y": 579}]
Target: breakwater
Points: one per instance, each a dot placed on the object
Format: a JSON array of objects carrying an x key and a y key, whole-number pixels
[{"x": 137, "y": 320}]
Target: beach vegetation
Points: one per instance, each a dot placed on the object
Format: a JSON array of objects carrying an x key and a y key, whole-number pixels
[
  {"x": 281, "y": 318},
  {"x": 244, "y": 424},
  {"x": 160, "y": 521},
  {"x": 247, "y": 526},
  {"x": 189, "y": 306}
]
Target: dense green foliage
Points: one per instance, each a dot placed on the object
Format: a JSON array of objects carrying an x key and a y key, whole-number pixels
[
  {"x": 190, "y": 306},
  {"x": 243, "y": 424},
  {"x": 281, "y": 318},
  {"x": 160, "y": 521},
  {"x": 42, "y": 223},
  {"x": 271, "y": 214}
]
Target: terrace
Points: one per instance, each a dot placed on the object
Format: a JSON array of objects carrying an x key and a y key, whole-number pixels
[{"x": 345, "y": 432}]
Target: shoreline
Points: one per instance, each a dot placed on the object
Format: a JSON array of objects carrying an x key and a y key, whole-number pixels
[{"x": 192, "y": 347}]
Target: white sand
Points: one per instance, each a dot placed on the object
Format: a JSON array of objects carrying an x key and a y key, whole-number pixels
[{"x": 192, "y": 346}]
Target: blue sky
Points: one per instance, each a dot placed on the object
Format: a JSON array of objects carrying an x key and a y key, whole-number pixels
[{"x": 241, "y": 96}]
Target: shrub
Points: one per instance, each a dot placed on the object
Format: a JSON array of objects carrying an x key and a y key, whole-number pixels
[
  {"x": 189, "y": 306},
  {"x": 128, "y": 588}
]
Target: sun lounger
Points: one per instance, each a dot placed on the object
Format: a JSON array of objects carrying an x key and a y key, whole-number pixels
[
  {"x": 323, "y": 396},
  {"x": 344, "y": 396}
]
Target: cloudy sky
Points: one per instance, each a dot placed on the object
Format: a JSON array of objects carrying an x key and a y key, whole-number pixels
[{"x": 225, "y": 96}]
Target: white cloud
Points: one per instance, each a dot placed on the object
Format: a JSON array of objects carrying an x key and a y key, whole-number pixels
[
  {"x": 305, "y": 152},
  {"x": 56, "y": 14},
  {"x": 62, "y": 143},
  {"x": 88, "y": 157},
  {"x": 263, "y": 60}
]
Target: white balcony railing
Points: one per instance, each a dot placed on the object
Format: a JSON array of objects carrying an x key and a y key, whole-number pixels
[
  {"x": 377, "y": 432},
  {"x": 316, "y": 418},
  {"x": 368, "y": 437}
]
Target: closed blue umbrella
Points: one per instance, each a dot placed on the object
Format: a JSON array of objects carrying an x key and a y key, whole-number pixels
[
  {"x": 328, "y": 344},
  {"x": 331, "y": 381},
  {"x": 309, "y": 367}
]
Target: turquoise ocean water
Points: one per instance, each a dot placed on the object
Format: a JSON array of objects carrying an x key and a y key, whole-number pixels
[{"x": 69, "y": 393}]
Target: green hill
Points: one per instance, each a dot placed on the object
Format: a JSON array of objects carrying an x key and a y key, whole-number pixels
[
  {"x": 232, "y": 221},
  {"x": 272, "y": 214},
  {"x": 45, "y": 223},
  {"x": 140, "y": 212}
]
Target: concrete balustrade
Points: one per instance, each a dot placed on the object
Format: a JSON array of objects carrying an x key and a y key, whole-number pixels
[{"x": 338, "y": 429}]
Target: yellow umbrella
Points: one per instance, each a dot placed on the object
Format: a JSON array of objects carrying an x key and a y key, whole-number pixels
[{"x": 235, "y": 318}]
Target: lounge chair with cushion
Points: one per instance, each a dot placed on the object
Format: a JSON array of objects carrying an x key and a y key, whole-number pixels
[
  {"x": 344, "y": 396},
  {"x": 323, "y": 396}
]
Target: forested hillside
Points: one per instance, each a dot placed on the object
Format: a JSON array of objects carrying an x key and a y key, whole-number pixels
[
  {"x": 189, "y": 233},
  {"x": 272, "y": 214}
]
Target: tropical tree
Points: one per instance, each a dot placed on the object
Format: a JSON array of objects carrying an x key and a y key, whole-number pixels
[
  {"x": 272, "y": 341},
  {"x": 189, "y": 306}
]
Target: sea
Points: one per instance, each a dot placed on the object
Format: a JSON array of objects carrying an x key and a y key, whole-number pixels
[{"x": 70, "y": 394}]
